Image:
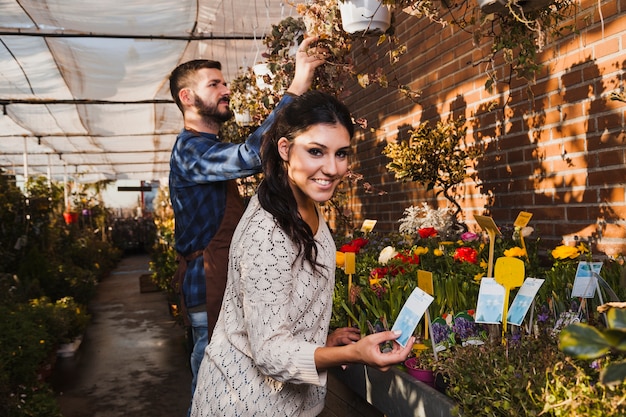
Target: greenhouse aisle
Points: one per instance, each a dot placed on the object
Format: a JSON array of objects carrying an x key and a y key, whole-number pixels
[{"x": 133, "y": 360}]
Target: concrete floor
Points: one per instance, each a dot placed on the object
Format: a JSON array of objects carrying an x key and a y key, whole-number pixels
[{"x": 133, "y": 360}]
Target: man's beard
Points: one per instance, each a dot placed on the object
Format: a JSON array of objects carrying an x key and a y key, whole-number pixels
[{"x": 211, "y": 114}]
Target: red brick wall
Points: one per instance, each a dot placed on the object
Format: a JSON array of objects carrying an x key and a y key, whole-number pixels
[{"x": 558, "y": 154}]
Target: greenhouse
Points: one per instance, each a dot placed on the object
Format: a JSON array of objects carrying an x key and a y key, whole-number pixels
[{"x": 485, "y": 177}]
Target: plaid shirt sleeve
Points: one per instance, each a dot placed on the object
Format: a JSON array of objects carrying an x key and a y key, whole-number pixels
[{"x": 203, "y": 158}]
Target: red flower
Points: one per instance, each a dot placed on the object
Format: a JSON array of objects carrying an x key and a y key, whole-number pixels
[
  {"x": 349, "y": 247},
  {"x": 354, "y": 246},
  {"x": 427, "y": 232},
  {"x": 359, "y": 242},
  {"x": 465, "y": 254},
  {"x": 409, "y": 258},
  {"x": 379, "y": 272}
]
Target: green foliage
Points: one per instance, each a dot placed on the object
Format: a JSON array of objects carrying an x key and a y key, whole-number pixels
[
  {"x": 499, "y": 380},
  {"x": 587, "y": 342},
  {"x": 37, "y": 400},
  {"x": 30, "y": 334},
  {"x": 435, "y": 156},
  {"x": 12, "y": 219},
  {"x": 24, "y": 345},
  {"x": 48, "y": 274},
  {"x": 572, "y": 390}
]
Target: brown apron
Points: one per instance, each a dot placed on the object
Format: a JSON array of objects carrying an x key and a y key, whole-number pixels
[{"x": 215, "y": 259}]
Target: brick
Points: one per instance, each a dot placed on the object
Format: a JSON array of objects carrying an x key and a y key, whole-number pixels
[
  {"x": 604, "y": 177},
  {"x": 614, "y": 231},
  {"x": 611, "y": 158},
  {"x": 615, "y": 194}
]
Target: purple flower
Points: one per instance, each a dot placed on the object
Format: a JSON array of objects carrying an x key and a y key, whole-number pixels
[
  {"x": 440, "y": 332},
  {"x": 464, "y": 328}
]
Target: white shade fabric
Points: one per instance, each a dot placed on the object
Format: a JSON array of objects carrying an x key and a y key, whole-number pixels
[{"x": 84, "y": 83}]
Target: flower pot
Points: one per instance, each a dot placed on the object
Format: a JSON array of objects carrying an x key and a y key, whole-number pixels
[
  {"x": 263, "y": 72},
  {"x": 365, "y": 16},
  {"x": 70, "y": 217},
  {"x": 243, "y": 118},
  {"x": 426, "y": 376},
  {"x": 491, "y": 6},
  {"x": 67, "y": 350}
]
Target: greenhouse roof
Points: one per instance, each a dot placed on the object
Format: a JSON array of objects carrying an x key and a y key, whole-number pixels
[{"x": 84, "y": 87}]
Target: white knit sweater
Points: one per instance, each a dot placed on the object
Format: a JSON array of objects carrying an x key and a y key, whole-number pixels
[{"x": 275, "y": 314}]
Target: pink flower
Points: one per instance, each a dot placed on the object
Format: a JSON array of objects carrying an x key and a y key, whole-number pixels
[{"x": 469, "y": 237}]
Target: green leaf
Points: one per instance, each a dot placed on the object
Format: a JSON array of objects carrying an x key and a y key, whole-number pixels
[
  {"x": 613, "y": 374},
  {"x": 616, "y": 318},
  {"x": 583, "y": 341},
  {"x": 616, "y": 338}
]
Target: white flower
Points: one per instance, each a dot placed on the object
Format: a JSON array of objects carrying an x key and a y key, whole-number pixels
[
  {"x": 527, "y": 231},
  {"x": 386, "y": 254},
  {"x": 416, "y": 218}
]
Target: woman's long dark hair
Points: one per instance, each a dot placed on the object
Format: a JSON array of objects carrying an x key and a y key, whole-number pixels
[{"x": 275, "y": 194}]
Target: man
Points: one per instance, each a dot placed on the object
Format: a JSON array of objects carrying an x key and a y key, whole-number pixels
[{"x": 204, "y": 195}]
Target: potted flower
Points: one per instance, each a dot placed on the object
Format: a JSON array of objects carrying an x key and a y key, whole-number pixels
[{"x": 422, "y": 364}]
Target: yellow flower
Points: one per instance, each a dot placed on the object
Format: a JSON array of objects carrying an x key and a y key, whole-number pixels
[
  {"x": 483, "y": 264},
  {"x": 420, "y": 250},
  {"x": 438, "y": 252},
  {"x": 515, "y": 252},
  {"x": 478, "y": 277},
  {"x": 374, "y": 280},
  {"x": 340, "y": 258},
  {"x": 565, "y": 252}
]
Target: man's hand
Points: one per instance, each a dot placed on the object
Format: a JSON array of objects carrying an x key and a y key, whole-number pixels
[{"x": 343, "y": 336}]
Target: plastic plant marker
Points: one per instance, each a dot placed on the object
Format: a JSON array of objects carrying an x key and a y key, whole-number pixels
[
  {"x": 349, "y": 267},
  {"x": 488, "y": 225},
  {"x": 368, "y": 225},
  {"x": 425, "y": 282},
  {"x": 509, "y": 272},
  {"x": 520, "y": 222}
]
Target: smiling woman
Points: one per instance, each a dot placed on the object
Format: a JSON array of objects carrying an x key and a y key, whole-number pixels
[{"x": 273, "y": 326}]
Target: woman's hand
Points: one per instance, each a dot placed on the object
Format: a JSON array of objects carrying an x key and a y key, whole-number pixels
[
  {"x": 369, "y": 350},
  {"x": 343, "y": 336}
]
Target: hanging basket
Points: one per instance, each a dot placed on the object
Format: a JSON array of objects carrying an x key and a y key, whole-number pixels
[
  {"x": 501, "y": 6},
  {"x": 264, "y": 76},
  {"x": 364, "y": 16}
]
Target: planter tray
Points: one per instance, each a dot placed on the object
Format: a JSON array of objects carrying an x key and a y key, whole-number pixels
[{"x": 395, "y": 393}]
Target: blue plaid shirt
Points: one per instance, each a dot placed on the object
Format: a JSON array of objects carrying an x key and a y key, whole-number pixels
[{"x": 200, "y": 165}]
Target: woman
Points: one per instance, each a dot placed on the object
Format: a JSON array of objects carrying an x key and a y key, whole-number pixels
[{"x": 270, "y": 349}]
